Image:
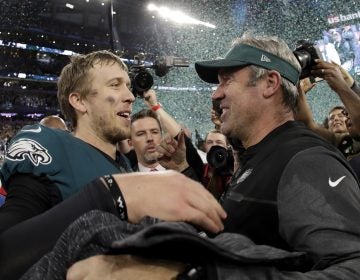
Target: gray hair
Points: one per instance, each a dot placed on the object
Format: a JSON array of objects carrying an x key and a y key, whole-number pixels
[{"x": 279, "y": 48}]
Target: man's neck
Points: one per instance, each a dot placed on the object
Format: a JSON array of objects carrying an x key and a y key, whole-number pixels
[
  {"x": 258, "y": 133},
  {"x": 91, "y": 138},
  {"x": 156, "y": 167},
  {"x": 149, "y": 164}
]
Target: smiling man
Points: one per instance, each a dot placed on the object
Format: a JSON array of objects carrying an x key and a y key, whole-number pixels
[
  {"x": 45, "y": 166},
  {"x": 294, "y": 192},
  {"x": 51, "y": 172},
  {"x": 337, "y": 120}
]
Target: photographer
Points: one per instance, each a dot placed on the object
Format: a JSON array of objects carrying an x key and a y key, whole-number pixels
[
  {"x": 219, "y": 168},
  {"x": 344, "y": 85}
]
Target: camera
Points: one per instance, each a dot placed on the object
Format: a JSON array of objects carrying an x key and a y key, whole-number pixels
[
  {"x": 306, "y": 52},
  {"x": 221, "y": 160},
  {"x": 141, "y": 78}
]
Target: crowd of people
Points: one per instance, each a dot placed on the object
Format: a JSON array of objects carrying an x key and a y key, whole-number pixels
[
  {"x": 126, "y": 195},
  {"x": 342, "y": 46}
]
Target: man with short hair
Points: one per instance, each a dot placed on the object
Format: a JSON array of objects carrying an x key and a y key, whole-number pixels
[
  {"x": 217, "y": 171},
  {"x": 215, "y": 138},
  {"x": 44, "y": 166},
  {"x": 52, "y": 171},
  {"x": 148, "y": 128},
  {"x": 146, "y": 134},
  {"x": 294, "y": 192},
  {"x": 337, "y": 120},
  {"x": 341, "y": 82}
]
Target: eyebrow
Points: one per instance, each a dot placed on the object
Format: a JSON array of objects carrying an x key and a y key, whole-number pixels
[
  {"x": 117, "y": 79},
  {"x": 151, "y": 129}
]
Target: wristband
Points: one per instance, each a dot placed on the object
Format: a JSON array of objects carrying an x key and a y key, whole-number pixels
[
  {"x": 117, "y": 196},
  {"x": 156, "y": 107}
]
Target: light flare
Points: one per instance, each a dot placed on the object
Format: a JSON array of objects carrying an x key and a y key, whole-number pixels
[{"x": 177, "y": 16}]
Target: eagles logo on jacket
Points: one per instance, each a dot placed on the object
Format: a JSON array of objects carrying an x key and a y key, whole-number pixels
[{"x": 68, "y": 162}]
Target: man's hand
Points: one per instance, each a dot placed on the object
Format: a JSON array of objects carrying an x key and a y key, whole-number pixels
[
  {"x": 170, "y": 196},
  {"x": 123, "y": 267},
  {"x": 215, "y": 118},
  {"x": 336, "y": 77},
  {"x": 172, "y": 153},
  {"x": 150, "y": 98},
  {"x": 305, "y": 85}
]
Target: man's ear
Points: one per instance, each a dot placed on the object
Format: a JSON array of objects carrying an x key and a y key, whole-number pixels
[
  {"x": 129, "y": 142},
  {"x": 273, "y": 83},
  {"x": 77, "y": 102}
]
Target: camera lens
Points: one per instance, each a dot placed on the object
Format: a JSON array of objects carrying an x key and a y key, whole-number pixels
[
  {"x": 303, "y": 57},
  {"x": 217, "y": 156},
  {"x": 142, "y": 81},
  {"x": 220, "y": 156}
]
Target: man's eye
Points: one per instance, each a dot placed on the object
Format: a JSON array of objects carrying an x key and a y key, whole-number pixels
[{"x": 115, "y": 84}]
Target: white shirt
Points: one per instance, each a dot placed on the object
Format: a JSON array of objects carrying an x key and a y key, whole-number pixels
[{"x": 143, "y": 168}]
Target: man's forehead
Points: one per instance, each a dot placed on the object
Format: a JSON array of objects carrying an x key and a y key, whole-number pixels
[
  {"x": 215, "y": 135},
  {"x": 109, "y": 66},
  {"x": 337, "y": 111},
  {"x": 147, "y": 122},
  {"x": 229, "y": 71}
]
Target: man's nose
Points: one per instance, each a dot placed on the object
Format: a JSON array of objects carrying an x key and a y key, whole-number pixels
[
  {"x": 149, "y": 137},
  {"x": 217, "y": 94},
  {"x": 129, "y": 97}
]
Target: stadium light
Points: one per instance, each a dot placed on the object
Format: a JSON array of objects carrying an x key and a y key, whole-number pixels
[
  {"x": 177, "y": 16},
  {"x": 70, "y": 6}
]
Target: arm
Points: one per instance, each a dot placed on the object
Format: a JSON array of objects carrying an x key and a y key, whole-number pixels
[
  {"x": 165, "y": 195},
  {"x": 320, "y": 219},
  {"x": 26, "y": 242},
  {"x": 316, "y": 218},
  {"x": 168, "y": 123},
  {"x": 342, "y": 83},
  {"x": 171, "y": 126},
  {"x": 123, "y": 267},
  {"x": 194, "y": 159},
  {"x": 28, "y": 196},
  {"x": 174, "y": 155},
  {"x": 304, "y": 113}
]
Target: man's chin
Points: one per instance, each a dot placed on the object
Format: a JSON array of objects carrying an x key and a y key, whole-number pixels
[
  {"x": 152, "y": 158},
  {"x": 340, "y": 130},
  {"x": 225, "y": 130}
]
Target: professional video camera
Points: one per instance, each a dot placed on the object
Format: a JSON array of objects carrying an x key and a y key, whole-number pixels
[
  {"x": 142, "y": 80},
  {"x": 221, "y": 160},
  {"x": 306, "y": 52}
]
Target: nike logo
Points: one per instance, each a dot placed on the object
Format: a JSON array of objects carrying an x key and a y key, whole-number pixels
[
  {"x": 335, "y": 183},
  {"x": 36, "y": 130}
]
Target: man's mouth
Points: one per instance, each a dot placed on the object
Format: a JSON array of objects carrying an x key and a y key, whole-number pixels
[
  {"x": 125, "y": 115},
  {"x": 151, "y": 148}
]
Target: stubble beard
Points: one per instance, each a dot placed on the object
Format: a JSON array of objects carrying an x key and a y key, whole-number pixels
[
  {"x": 151, "y": 158},
  {"x": 113, "y": 134}
]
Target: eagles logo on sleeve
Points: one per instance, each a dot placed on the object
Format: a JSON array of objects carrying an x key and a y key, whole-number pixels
[{"x": 24, "y": 147}]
